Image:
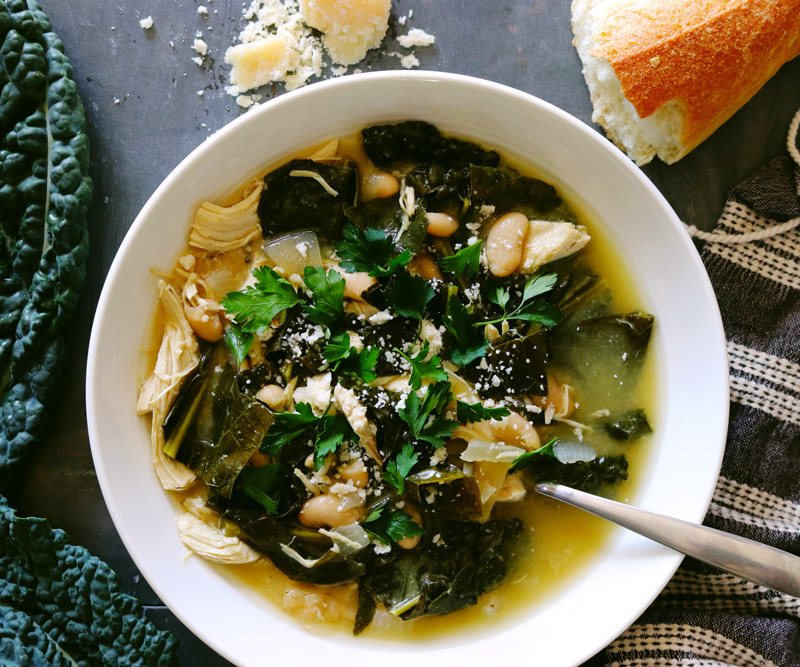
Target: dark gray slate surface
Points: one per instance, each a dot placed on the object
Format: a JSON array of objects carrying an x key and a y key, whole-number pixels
[{"x": 160, "y": 118}]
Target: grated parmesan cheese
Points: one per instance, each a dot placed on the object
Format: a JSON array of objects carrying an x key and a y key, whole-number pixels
[
  {"x": 416, "y": 37},
  {"x": 146, "y": 23}
]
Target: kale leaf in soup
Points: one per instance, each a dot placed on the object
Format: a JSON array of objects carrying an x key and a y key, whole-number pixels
[{"x": 399, "y": 366}]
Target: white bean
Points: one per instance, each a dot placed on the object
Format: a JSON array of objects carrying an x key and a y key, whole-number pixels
[
  {"x": 505, "y": 242},
  {"x": 355, "y": 472},
  {"x": 441, "y": 224},
  {"x": 379, "y": 185},
  {"x": 204, "y": 322},
  {"x": 423, "y": 265},
  {"x": 411, "y": 542},
  {"x": 323, "y": 510},
  {"x": 355, "y": 283}
]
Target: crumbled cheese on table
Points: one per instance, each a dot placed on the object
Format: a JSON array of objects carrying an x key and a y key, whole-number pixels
[{"x": 146, "y": 23}]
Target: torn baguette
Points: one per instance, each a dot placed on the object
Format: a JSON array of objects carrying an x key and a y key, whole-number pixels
[{"x": 665, "y": 74}]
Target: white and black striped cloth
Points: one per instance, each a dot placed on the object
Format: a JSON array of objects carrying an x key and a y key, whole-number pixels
[{"x": 706, "y": 618}]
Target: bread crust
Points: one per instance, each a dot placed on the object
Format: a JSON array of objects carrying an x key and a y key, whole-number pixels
[{"x": 710, "y": 56}]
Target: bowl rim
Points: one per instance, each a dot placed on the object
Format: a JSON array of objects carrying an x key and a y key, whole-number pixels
[{"x": 254, "y": 117}]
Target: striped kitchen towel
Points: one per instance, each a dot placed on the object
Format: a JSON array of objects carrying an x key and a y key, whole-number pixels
[{"x": 705, "y": 617}]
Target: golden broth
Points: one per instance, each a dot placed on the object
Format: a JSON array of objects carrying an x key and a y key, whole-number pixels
[{"x": 559, "y": 541}]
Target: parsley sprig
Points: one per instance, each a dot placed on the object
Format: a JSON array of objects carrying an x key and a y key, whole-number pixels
[
  {"x": 328, "y": 291},
  {"x": 370, "y": 251},
  {"x": 530, "y": 309},
  {"x": 346, "y": 358},
  {"x": 424, "y": 417},
  {"x": 261, "y": 484},
  {"x": 477, "y": 412},
  {"x": 422, "y": 369},
  {"x": 466, "y": 262},
  {"x": 470, "y": 343},
  {"x": 392, "y": 526},
  {"x": 332, "y": 430},
  {"x": 408, "y": 295},
  {"x": 397, "y": 469},
  {"x": 524, "y": 460}
]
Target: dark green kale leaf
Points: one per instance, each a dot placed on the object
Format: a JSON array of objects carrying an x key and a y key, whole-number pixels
[
  {"x": 396, "y": 470},
  {"x": 466, "y": 262},
  {"x": 447, "y": 491},
  {"x": 221, "y": 426},
  {"x": 512, "y": 366},
  {"x": 60, "y": 603},
  {"x": 370, "y": 251},
  {"x": 583, "y": 475},
  {"x": 440, "y": 188},
  {"x": 239, "y": 341},
  {"x": 467, "y": 560},
  {"x": 628, "y": 426},
  {"x": 417, "y": 142},
  {"x": 328, "y": 291},
  {"x": 470, "y": 343},
  {"x": 477, "y": 412},
  {"x": 308, "y": 193},
  {"x": 508, "y": 191},
  {"x": 269, "y": 535},
  {"x": 45, "y": 193},
  {"x": 255, "y": 307}
]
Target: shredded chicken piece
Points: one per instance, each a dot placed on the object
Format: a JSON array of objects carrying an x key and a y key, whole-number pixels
[
  {"x": 209, "y": 541},
  {"x": 221, "y": 229},
  {"x": 356, "y": 414},
  {"x": 548, "y": 241},
  {"x": 177, "y": 357}
]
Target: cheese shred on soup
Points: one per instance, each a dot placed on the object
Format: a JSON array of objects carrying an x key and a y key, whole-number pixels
[{"x": 368, "y": 359}]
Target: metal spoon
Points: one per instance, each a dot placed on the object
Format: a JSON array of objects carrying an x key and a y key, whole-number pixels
[{"x": 745, "y": 558}]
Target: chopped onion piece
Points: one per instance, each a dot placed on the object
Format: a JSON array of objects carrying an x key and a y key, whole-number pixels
[
  {"x": 294, "y": 252},
  {"x": 494, "y": 452},
  {"x": 570, "y": 451}
]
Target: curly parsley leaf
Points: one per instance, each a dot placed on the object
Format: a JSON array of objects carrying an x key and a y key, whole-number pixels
[
  {"x": 470, "y": 343},
  {"x": 408, "y": 295},
  {"x": 288, "y": 426},
  {"x": 397, "y": 470},
  {"x": 477, "y": 412},
  {"x": 255, "y": 307},
  {"x": 530, "y": 308},
  {"x": 421, "y": 369},
  {"x": 424, "y": 417},
  {"x": 333, "y": 430},
  {"x": 341, "y": 355},
  {"x": 466, "y": 262},
  {"x": 370, "y": 251},
  {"x": 239, "y": 341},
  {"x": 261, "y": 484},
  {"x": 328, "y": 291},
  {"x": 524, "y": 460},
  {"x": 391, "y": 527}
]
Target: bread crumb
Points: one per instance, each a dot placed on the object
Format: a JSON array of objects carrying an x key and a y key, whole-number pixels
[
  {"x": 655, "y": 61},
  {"x": 146, "y": 23}
]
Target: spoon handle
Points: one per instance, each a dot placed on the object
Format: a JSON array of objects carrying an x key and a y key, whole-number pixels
[{"x": 745, "y": 558}]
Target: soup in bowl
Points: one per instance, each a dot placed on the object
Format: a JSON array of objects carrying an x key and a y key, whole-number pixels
[{"x": 438, "y": 291}]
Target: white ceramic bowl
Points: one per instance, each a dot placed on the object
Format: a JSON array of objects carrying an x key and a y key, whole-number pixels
[{"x": 688, "y": 342}]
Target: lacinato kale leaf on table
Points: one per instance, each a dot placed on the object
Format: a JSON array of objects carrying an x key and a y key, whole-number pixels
[
  {"x": 307, "y": 193},
  {"x": 45, "y": 193},
  {"x": 57, "y": 600}
]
